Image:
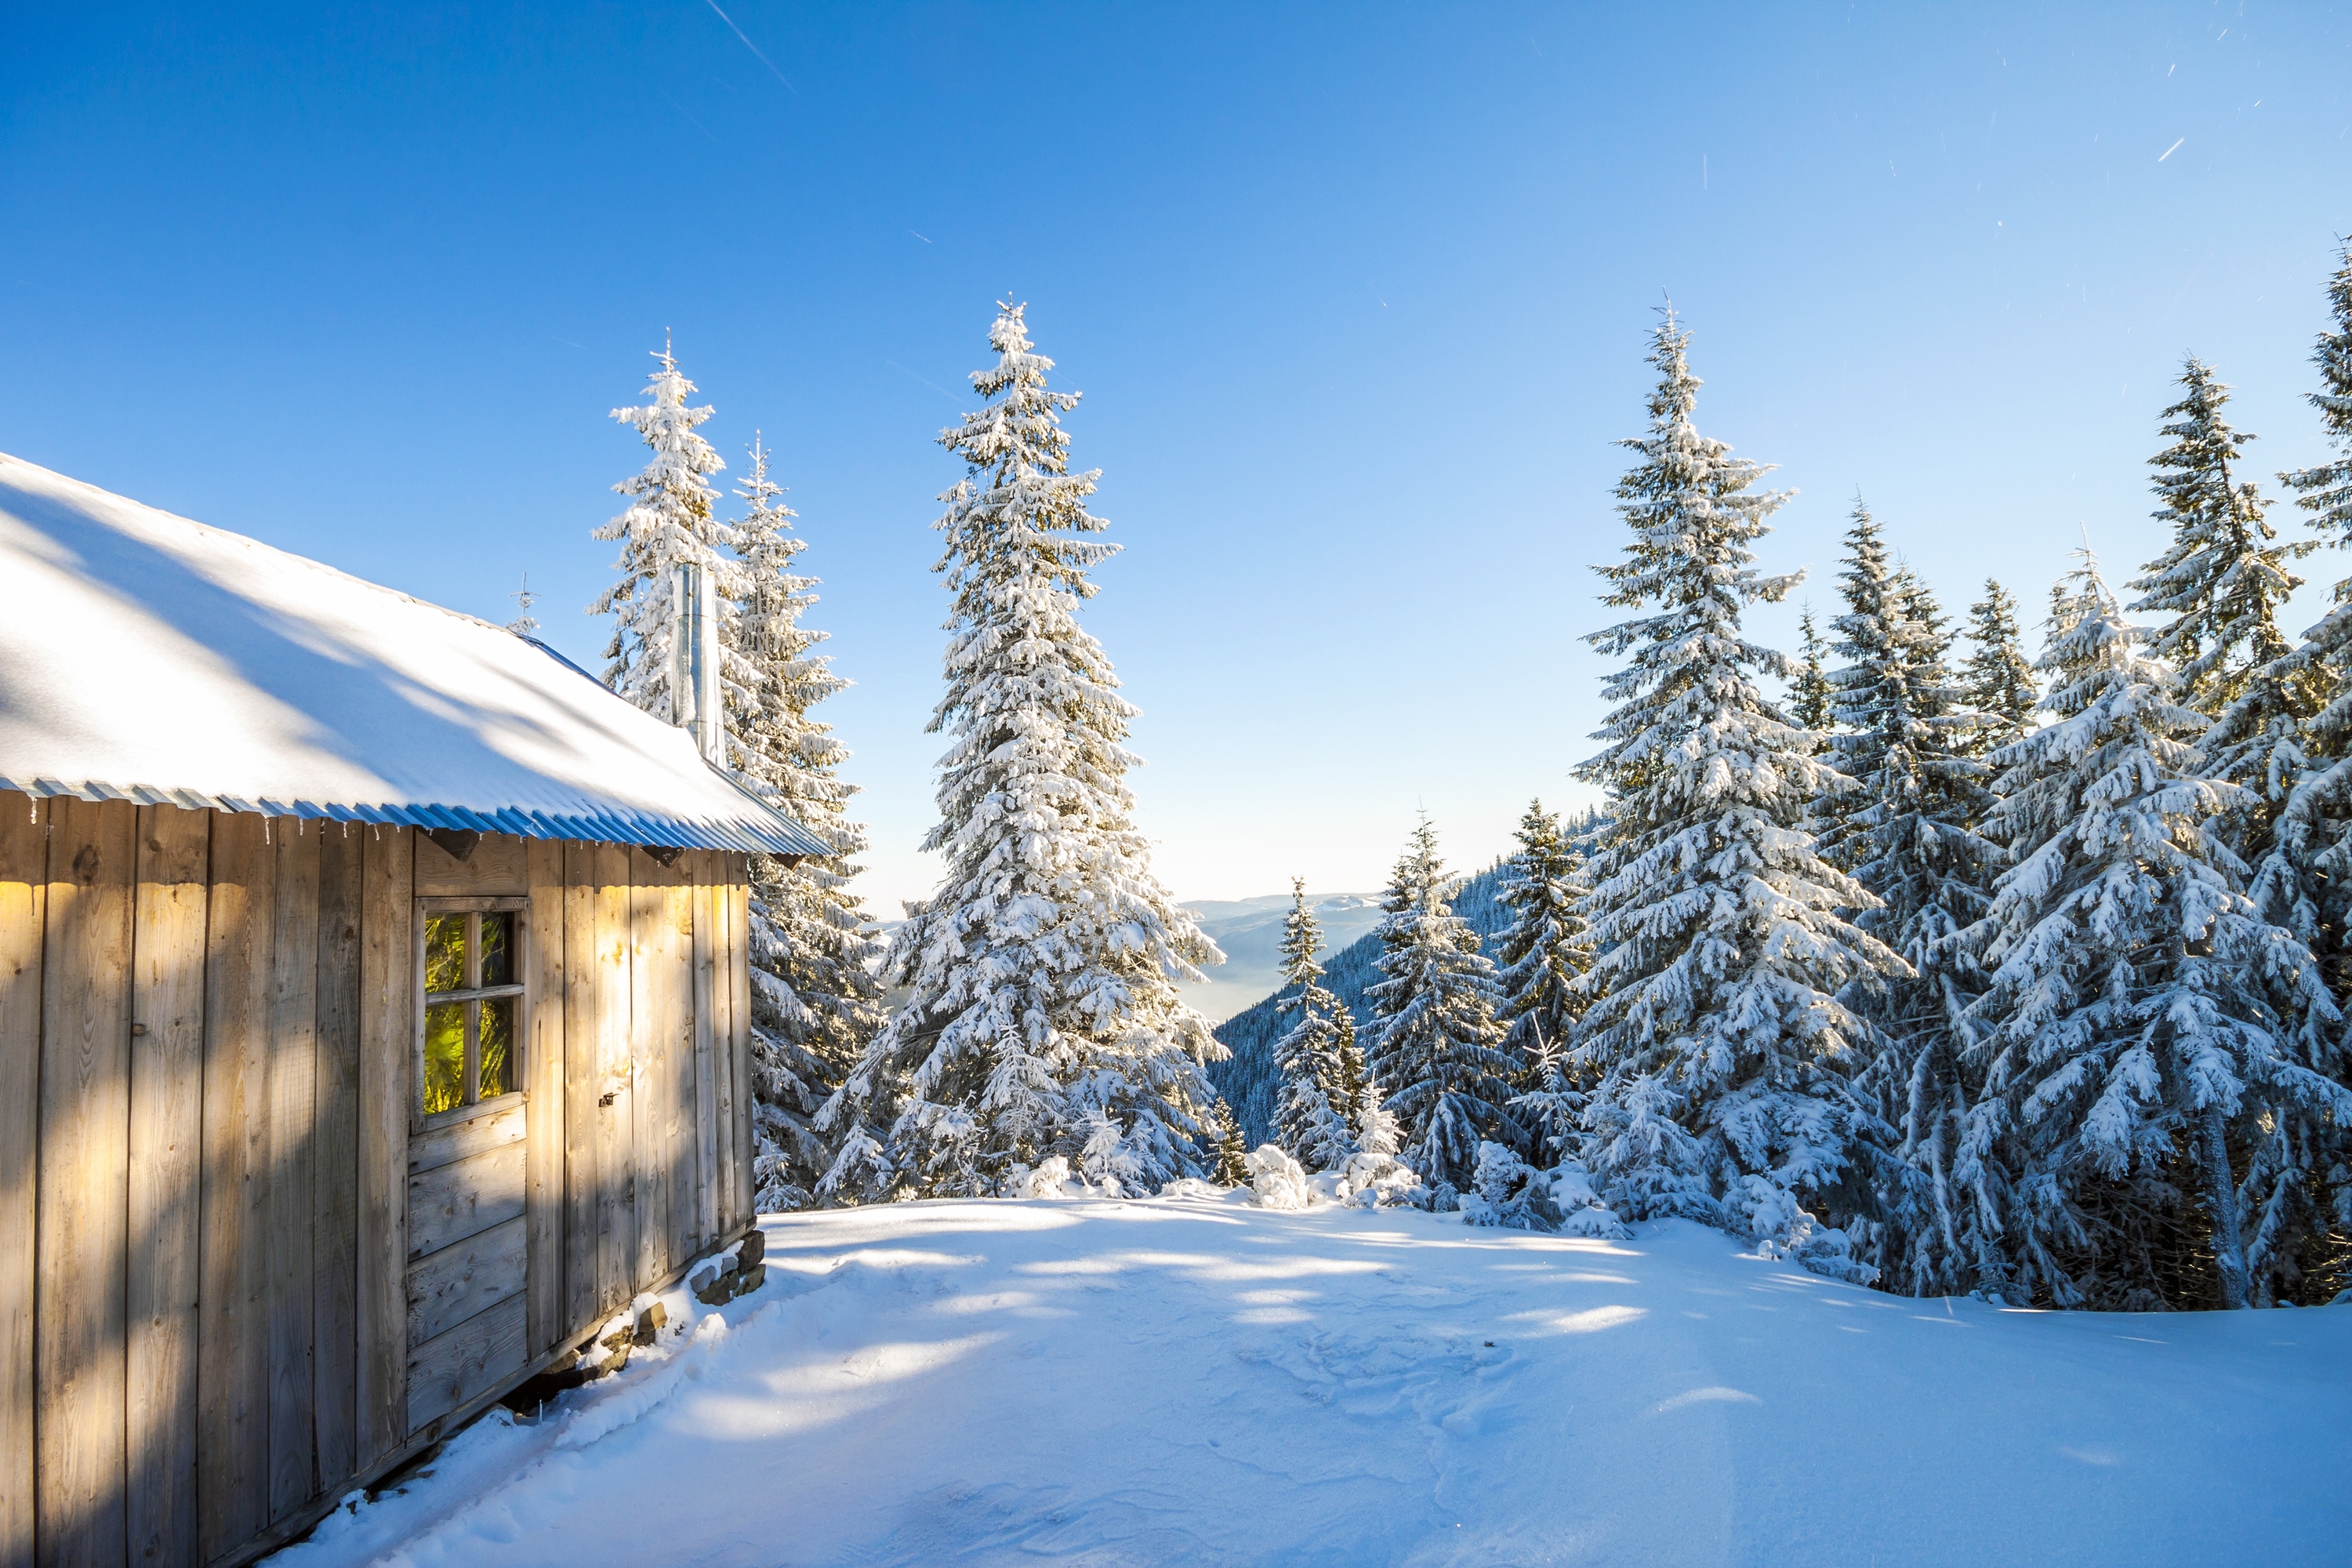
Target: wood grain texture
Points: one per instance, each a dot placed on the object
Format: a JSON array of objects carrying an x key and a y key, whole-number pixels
[
  {"x": 293, "y": 1084},
  {"x": 81, "y": 1243},
  {"x": 496, "y": 869},
  {"x": 233, "y": 1381},
  {"x": 683, "y": 1131},
  {"x": 582, "y": 1086},
  {"x": 335, "y": 1160},
  {"x": 388, "y": 982},
  {"x": 542, "y": 1082},
  {"x": 167, "y": 1063},
  {"x": 24, "y": 903},
  {"x": 617, "y": 1182},
  {"x": 738, "y": 958},
  {"x": 459, "y": 1281},
  {"x": 702, "y": 968},
  {"x": 456, "y": 1140},
  {"x": 471, "y": 1359},
  {"x": 649, "y": 1008},
  {"x": 449, "y": 1202}
]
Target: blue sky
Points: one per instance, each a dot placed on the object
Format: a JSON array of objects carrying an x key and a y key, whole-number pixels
[{"x": 1356, "y": 296}]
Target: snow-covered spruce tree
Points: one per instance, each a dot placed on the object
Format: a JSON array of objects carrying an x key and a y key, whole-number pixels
[
  {"x": 1997, "y": 678},
  {"x": 816, "y": 998},
  {"x": 1868, "y": 585},
  {"x": 1042, "y": 1018},
  {"x": 1914, "y": 844},
  {"x": 2225, "y": 574},
  {"x": 2325, "y": 491},
  {"x": 1719, "y": 1053},
  {"x": 2300, "y": 1176},
  {"x": 1436, "y": 1043},
  {"x": 2141, "y": 1018},
  {"x": 2305, "y": 880},
  {"x": 670, "y": 520},
  {"x": 1811, "y": 701},
  {"x": 1544, "y": 949},
  {"x": 1232, "y": 1168},
  {"x": 1311, "y": 1120}
]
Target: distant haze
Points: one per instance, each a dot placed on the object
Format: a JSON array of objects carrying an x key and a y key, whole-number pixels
[{"x": 1250, "y": 932}]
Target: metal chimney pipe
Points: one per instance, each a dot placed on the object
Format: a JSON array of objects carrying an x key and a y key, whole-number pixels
[{"x": 695, "y": 704}]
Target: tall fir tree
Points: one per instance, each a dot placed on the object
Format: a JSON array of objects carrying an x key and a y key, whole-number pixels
[
  {"x": 2306, "y": 876},
  {"x": 1719, "y": 1051},
  {"x": 1546, "y": 948},
  {"x": 2303, "y": 1170},
  {"x": 2225, "y": 574},
  {"x": 1312, "y": 1119},
  {"x": 1868, "y": 585},
  {"x": 2325, "y": 490},
  {"x": 671, "y": 520},
  {"x": 2142, "y": 1021},
  {"x": 1914, "y": 844},
  {"x": 1436, "y": 1043},
  {"x": 1042, "y": 1017},
  {"x": 816, "y": 998},
  {"x": 1997, "y": 678}
]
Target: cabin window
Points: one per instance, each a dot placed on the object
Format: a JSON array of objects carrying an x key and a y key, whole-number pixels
[{"x": 469, "y": 968}]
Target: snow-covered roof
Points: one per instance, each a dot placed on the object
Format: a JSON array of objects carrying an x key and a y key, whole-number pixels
[{"x": 148, "y": 657}]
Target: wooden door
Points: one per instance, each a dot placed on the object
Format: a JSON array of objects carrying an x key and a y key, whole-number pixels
[{"x": 469, "y": 1241}]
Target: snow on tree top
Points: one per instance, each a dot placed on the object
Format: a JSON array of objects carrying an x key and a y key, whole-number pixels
[{"x": 147, "y": 657}]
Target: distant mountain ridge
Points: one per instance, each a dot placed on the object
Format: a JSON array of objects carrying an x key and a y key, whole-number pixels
[
  {"x": 1250, "y": 932},
  {"x": 1247, "y": 1079}
]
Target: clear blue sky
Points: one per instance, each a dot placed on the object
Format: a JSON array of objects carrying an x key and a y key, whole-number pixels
[{"x": 1356, "y": 296}]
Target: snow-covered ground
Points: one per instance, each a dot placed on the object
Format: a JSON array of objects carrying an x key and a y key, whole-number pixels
[{"x": 1197, "y": 1380}]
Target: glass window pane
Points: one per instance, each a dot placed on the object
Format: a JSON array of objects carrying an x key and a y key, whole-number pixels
[
  {"x": 444, "y": 1056},
  {"x": 445, "y": 952},
  {"x": 498, "y": 1045},
  {"x": 497, "y": 950}
]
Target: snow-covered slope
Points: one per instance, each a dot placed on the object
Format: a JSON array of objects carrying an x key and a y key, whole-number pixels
[{"x": 1194, "y": 1380}]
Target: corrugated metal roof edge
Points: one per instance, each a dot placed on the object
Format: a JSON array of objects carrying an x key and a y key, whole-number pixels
[{"x": 788, "y": 837}]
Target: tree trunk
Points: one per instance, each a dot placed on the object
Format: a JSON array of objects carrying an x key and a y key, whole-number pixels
[{"x": 2221, "y": 1198}]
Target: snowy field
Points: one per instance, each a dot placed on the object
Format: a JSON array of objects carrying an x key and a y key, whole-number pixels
[{"x": 1196, "y": 1381}]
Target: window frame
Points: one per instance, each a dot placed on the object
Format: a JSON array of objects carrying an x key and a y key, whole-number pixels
[{"x": 518, "y": 937}]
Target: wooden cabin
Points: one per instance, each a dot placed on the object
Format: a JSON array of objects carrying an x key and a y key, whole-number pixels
[{"x": 375, "y": 1022}]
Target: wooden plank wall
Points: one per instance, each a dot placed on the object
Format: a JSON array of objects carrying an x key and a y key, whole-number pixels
[
  {"x": 167, "y": 1065},
  {"x": 206, "y": 1022}
]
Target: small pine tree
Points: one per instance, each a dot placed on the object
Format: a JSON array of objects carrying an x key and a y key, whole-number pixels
[
  {"x": 1043, "y": 1016},
  {"x": 1997, "y": 679},
  {"x": 2141, "y": 1018},
  {"x": 1436, "y": 1041},
  {"x": 816, "y": 998},
  {"x": 1813, "y": 703},
  {"x": 1719, "y": 1053},
  {"x": 1546, "y": 948},
  {"x": 671, "y": 519},
  {"x": 1551, "y": 1107},
  {"x": 2224, "y": 576},
  {"x": 1311, "y": 1121},
  {"x": 1232, "y": 1152}
]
